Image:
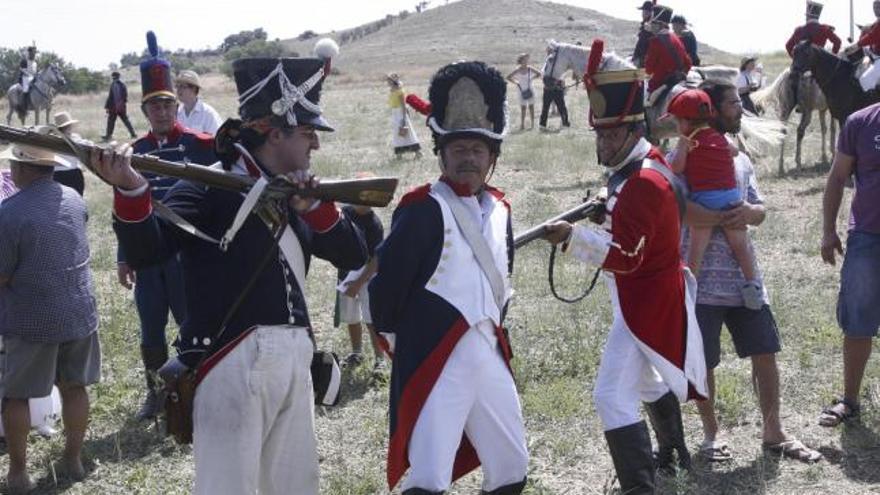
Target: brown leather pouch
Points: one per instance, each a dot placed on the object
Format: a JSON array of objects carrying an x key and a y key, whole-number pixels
[{"x": 179, "y": 408}]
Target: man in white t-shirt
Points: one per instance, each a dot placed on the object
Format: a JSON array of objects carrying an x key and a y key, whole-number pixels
[{"x": 193, "y": 113}]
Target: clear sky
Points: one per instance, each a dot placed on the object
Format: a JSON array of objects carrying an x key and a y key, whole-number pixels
[{"x": 93, "y": 33}]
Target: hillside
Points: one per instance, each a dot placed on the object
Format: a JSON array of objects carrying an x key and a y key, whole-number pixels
[{"x": 494, "y": 31}]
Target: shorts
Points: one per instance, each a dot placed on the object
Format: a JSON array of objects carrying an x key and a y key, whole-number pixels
[
  {"x": 858, "y": 313},
  {"x": 354, "y": 310},
  {"x": 30, "y": 369},
  {"x": 717, "y": 199},
  {"x": 753, "y": 332}
]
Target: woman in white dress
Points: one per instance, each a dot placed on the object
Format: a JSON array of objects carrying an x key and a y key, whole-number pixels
[
  {"x": 522, "y": 77},
  {"x": 403, "y": 136}
]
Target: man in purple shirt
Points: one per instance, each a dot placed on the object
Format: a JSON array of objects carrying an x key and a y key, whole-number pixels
[{"x": 858, "y": 314}]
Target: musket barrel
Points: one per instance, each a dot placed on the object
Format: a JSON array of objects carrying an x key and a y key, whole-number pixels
[
  {"x": 573, "y": 215},
  {"x": 377, "y": 191}
]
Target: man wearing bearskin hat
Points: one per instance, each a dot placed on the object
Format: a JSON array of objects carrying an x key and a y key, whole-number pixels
[
  {"x": 247, "y": 331},
  {"x": 442, "y": 291},
  {"x": 159, "y": 288},
  {"x": 666, "y": 61},
  {"x": 654, "y": 349}
]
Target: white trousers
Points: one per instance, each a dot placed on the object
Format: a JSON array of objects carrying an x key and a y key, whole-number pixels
[
  {"x": 626, "y": 378},
  {"x": 870, "y": 77},
  {"x": 254, "y": 418},
  {"x": 474, "y": 394}
]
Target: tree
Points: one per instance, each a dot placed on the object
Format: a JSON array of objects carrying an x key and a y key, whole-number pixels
[
  {"x": 242, "y": 38},
  {"x": 307, "y": 35}
]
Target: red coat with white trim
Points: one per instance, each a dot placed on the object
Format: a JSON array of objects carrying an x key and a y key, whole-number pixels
[
  {"x": 666, "y": 56},
  {"x": 641, "y": 252},
  {"x": 818, "y": 34},
  {"x": 426, "y": 300}
]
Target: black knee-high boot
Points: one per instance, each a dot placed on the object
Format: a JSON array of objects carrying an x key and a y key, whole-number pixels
[
  {"x": 665, "y": 415},
  {"x": 630, "y": 448},
  {"x": 511, "y": 489}
]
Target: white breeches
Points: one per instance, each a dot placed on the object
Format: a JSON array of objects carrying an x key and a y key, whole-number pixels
[
  {"x": 870, "y": 77},
  {"x": 254, "y": 418},
  {"x": 626, "y": 378},
  {"x": 475, "y": 394}
]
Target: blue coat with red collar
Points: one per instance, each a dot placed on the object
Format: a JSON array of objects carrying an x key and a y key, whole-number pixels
[
  {"x": 214, "y": 279},
  {"x": 408, "y": 299},
  {"x": 181, "y": 144}
]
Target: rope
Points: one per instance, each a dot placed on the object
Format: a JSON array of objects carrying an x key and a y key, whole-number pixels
[{"x": 553, "y": 284}]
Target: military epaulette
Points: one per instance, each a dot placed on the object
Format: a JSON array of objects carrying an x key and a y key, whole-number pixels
[{"x": 415, "y": 195}]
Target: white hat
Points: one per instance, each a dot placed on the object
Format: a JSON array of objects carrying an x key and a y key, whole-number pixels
[
  {"x": 34, "y": 156},
  {"x": 63, "y": 119}
]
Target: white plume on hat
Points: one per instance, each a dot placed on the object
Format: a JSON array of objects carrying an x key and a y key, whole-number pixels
[{"x": 326, "y": 48}]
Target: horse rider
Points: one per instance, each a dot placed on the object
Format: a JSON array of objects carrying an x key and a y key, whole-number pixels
[
  {"x": 654, "y": 352},
  {"x": 667, "y": 61},
  {"x": 816, "y": 33},
  {"x": 27, "y": 73},
  {"x": 638, "y": 56},
  {"x": 680, "y": 28},
  {"x": 869, "y": 39}
]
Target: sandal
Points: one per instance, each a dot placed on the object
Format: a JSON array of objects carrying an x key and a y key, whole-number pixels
[
  {"x": 831, "y": 418},
  {"x": 794, "y": 449},
  {"x": 715, "y": 451}
]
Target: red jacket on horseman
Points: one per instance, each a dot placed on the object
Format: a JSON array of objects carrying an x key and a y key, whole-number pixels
[
  {"x": 667, "y": 60},
  {"x": 818, "y": 34}
]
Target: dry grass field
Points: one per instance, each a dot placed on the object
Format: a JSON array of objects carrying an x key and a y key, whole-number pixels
[{"x": 557, "y": 346}]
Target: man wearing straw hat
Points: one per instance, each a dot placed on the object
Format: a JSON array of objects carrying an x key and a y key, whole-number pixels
[
  {"x": 72, "y": 175},
  {"x": 193, "y": 113},
  {"x": 48, "y": 314}
]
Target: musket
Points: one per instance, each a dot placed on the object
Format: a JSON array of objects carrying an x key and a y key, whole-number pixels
[
  {"x": 576, "y": 214},
  {"x": 373, "y": 191}
]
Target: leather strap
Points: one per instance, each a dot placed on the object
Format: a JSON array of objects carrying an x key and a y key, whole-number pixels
[
  {"x": 624, "y": 173},
  {"x": 474, "y": 237}
]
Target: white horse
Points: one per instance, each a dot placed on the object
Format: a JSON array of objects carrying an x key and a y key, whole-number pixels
[
  {"x": 41, "y": 94},
  {"x": 575, "y": 57},
  {"x": 779, "y": 96}
]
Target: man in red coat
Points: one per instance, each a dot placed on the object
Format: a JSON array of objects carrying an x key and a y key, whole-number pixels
[
  {"x": 869, "y": 39},
  {"x": 654, "y": 351},
  {"x": 818, "y": 34},
  {"x": 814, "y": 32},
  {"x": 667, "y": 60}
]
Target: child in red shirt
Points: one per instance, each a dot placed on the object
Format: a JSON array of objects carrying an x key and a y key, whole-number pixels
[{"x": 706, "y": 158}]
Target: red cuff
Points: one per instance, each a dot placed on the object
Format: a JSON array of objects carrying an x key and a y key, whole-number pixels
[
  {"x": 322, "y": 218},
  {"x": 132, "y": 209}
]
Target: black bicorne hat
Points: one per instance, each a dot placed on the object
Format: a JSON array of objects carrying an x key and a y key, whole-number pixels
[
  {"x": 468, "y": 98},
  {"x": 617, "y": 97},
  {"x": 646, "y": 5},
  {"x": 661, "y": 13}
]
